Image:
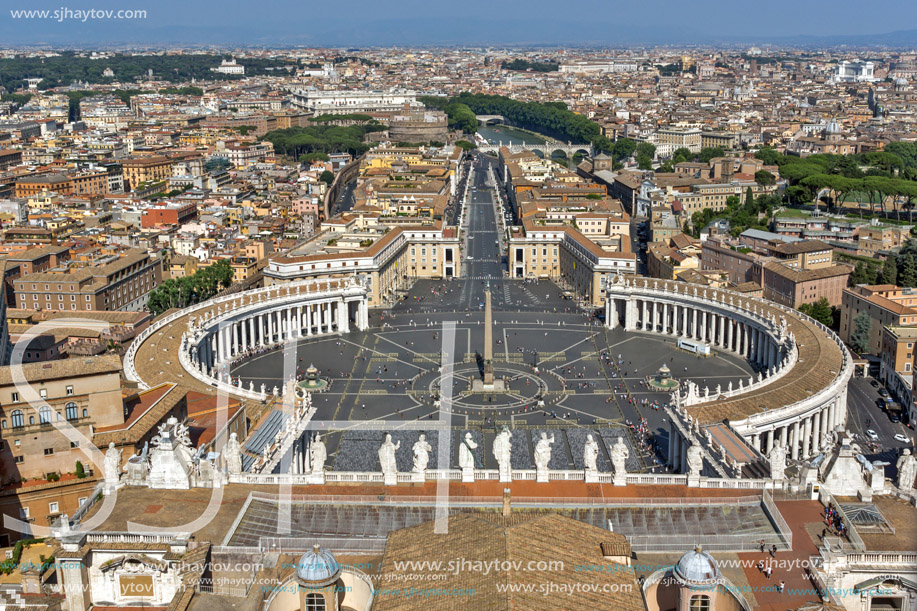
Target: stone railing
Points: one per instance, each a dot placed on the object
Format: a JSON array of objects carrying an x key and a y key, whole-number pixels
[
  {"x": 257, "y": 299},
  {"x": 126, "y": 537},
  {"x": 432, "y": 475}
]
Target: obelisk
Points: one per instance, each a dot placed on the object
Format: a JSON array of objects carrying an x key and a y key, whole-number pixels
[{"x": 488, "y": 340}]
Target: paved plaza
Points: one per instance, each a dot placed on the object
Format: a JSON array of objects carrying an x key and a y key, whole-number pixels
[{"x": 588, "y": 378}]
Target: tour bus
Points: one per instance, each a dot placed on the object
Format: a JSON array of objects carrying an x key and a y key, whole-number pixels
[{"x": 695, "y": 347}]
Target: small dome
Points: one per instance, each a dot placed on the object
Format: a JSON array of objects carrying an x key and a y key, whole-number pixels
[
  {"x": 697, "y": 567},
  {"x": 318, "y": 567}
]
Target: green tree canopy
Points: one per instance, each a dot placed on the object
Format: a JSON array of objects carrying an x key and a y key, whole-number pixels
[
  {"x": 820, "y": 311},
  {"x": 706, "y": 154},
  {"x": 859, "y": 337},
  {"x": 188, "y": 290}
]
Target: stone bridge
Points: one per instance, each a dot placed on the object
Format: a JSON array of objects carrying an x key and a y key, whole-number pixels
[
  {"x": 490, "y": 119},
  {"x": 546, "y": 150}
]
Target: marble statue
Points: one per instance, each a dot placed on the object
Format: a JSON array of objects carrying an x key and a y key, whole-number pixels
[
  {"x": 318, "y": 454},
  {"x": 503, "y": 453},
  {"x": 112, "y": 465},
  {"x": 387, "y": 456},
  {"x": 695, "y": 460},
  {"x": 907, "y": 470},
  {"x": 232, "y": 453},
  {"x": 422, "y": 451},
  {"x": 591, "y": 454},
  {"x": 828, "y": 440},
  {"x": 776, "y": 458},
  {"x": 619, "y": 455},
  {"x": 466, "y": 454},
  {"x": 543, "y": 452}
]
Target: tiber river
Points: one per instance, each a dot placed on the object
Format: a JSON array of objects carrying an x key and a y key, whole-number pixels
[{"x": 511, "y": 135}]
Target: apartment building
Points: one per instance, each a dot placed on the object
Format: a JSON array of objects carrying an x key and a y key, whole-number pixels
[
  {"x": 145, "y": 169},
  {"x": 168, "y": 213},
  {"x": 792, "y": 286},
  {"x": 671, "y": 138},
  {"x": 108, "y": 283},
  {"x": 671, "y": 258},
  {"x": 896, "y": 364},
  {"x": 82, "y": 392},
  {"x": 886, "y": 305}
]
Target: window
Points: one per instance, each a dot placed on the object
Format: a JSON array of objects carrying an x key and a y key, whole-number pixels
[
  {"x": 74, "y": 445},
  {"x": 315, "y": 602},
  {"x": 43, "y": 393},
  {"x": 24, "y": 513},
  {"x": 71, "y": 410},
  {"x": 44, "y": 414},
  {"x": 53, "y": 507},
  {"x": 49, "y": 451},
  {"x": 700, "y": 603},
  {"x": 69, "y": 391},
  {"x": 85, "y": 413},
  {"x": 16, "y": 417},
  {"x": 14, "y": 397}
]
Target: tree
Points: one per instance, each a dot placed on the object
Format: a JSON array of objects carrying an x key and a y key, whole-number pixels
[
  {"x": 890, "y": 271},
  {"x": 80, "y": 471},
  {"x": 862, "y": 328},
  {"x": 644, "y": 162},
  {"x": 765, "y": 178},
  {"x": 820, "y": 311},
  {"x": 327, "y": 177},
  {"x": 645, "y": 149},
  {"x": 768, "y": 155},
  {"x": 681, "y": 155},
  {"x": 749, "y": 197},
  {"x": 623, "y": 148},
  {"x": 907, "y": 271},
  {"x": 706, "y": 154},
  {"x": 466, "y": 145},
  {"x": 310, "y": 157}
]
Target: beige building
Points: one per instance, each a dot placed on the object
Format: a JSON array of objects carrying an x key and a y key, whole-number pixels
[
  {"x": 885, "y": 304},
  {"x": 122, "y": 284},
  {"x": 387, "y": 259},
  {"x": 84, "y": 393},
  {"x": 145, "y": 169}
]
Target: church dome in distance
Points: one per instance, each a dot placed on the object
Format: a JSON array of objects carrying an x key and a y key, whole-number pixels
[
  {"x": 697, "y": 566},
  {"x": 318, "y": 567}
]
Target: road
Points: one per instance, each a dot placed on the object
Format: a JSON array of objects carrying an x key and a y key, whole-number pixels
[{"x": 862, "y": 407}]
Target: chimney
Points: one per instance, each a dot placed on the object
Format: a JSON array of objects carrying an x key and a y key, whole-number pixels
[{"x": 506, "y": 503}]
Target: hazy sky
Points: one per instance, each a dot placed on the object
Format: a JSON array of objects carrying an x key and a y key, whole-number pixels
[{"x": 419, "y": 22}]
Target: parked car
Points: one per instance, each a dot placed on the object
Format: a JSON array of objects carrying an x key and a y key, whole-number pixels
[
  {"x": 883, "y": 393},
  {"x": 875, "y": 383}
]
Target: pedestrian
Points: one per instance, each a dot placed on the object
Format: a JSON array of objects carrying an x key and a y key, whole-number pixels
[
  {"x": 780, "y": 586},
  {"x": 773, "y": 551},
  {"x": 768, "y": 571}
]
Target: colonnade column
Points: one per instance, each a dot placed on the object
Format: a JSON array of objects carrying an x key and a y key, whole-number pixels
[
  {"x": 645, "y": 315},
  {"x": 806, "y": 433},
  {"x": 794, "y": 440},
  {"x": 816, "y": 432}
]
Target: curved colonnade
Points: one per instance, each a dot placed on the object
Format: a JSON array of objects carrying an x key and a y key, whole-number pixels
[
  {"x": 800, "y": 393},
  {"x": 219, "y": 330}
]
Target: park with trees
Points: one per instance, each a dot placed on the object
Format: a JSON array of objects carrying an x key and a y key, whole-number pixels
[{"x": 189, "y": 290}]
